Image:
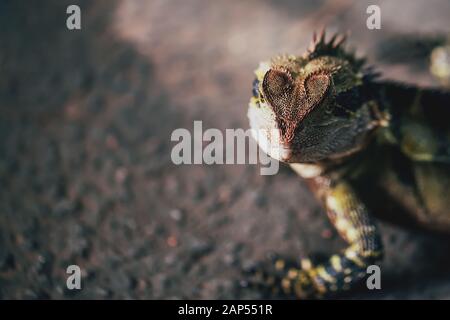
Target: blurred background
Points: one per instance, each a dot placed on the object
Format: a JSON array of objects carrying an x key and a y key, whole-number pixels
[{"x": 85, "y": 170}]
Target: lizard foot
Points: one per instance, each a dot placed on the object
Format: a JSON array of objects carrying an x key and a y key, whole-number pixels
[{"x": 279, "y": 277}]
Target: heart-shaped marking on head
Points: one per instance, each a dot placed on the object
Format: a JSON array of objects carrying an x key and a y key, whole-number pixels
[{"x": 292, "y": 100}]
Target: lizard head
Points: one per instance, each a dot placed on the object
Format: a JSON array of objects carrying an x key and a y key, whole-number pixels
[{"x": 310, "y": 108}]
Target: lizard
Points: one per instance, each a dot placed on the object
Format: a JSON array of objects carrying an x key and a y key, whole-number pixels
[{"x": 366, "y": 147}]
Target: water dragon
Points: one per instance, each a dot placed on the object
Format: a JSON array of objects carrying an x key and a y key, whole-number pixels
[{"x": 363, "y": 145}]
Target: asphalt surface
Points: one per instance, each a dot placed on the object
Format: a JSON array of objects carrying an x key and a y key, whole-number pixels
[{"x": 86, "y": 176}]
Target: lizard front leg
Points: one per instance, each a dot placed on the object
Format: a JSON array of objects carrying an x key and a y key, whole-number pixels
[
  {"x": 417, "y": 122},
  {"x": 421, "y": 143},
  {"x": 354, "y": 224},
  {"x": 352, "y": 221}
]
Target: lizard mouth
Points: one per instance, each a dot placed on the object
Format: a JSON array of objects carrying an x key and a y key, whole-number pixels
[
  {"x": 276, "y": 151},
  {"x": 268, "y": 135}
]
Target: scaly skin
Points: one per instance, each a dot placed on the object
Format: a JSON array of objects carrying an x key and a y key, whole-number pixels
[{"x": 365, "y": 147}]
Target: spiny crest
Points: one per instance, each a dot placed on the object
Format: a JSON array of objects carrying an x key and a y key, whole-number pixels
[{"x": 333, "y": 47}]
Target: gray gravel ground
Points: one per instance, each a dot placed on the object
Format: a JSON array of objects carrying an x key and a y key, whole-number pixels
[{"x": 85, "y": 170}]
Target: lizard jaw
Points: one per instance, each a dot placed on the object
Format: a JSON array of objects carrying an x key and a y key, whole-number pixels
[
  {"x": 277, "y": 151},
  {"x": 267, "y": 134}
]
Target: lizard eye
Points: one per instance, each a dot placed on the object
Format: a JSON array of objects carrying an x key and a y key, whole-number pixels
[{"x": 255, "y": 88}]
